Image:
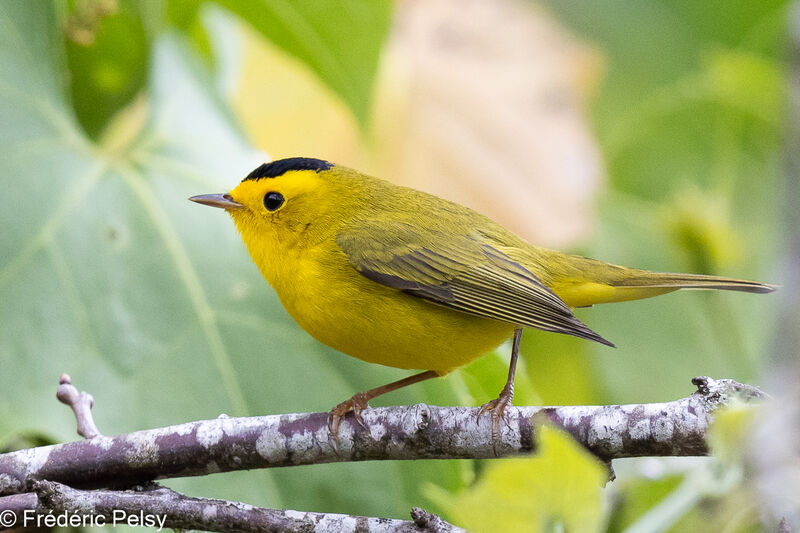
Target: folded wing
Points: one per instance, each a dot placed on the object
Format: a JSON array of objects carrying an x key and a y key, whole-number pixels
[{"x": 467, "y": 273}]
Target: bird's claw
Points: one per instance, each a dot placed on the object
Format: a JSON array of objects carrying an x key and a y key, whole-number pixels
[
  {"x": 357, "y": 404},
  {"x": 497, "y": 410}
]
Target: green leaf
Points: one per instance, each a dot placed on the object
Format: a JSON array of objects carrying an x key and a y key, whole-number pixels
[
  {"x": 636, "y": 496},
  {"x": 560, "y": 368},
  {"x": 148, "y": 301},
  {"x": 558, "y": 489},
  {"x": 340, "y": 40},
  {"x": 107, "y": 51},
  {"x": 731, "y": 431}
]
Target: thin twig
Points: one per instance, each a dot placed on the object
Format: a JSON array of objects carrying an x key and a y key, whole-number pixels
[
  {"x": 419, "y": 431},
  {"x": 159, "y": 507},
  {"x": 81, "y": 404}
]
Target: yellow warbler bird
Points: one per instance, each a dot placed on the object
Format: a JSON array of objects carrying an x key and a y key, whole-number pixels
[{"x": 395, "y": 276}]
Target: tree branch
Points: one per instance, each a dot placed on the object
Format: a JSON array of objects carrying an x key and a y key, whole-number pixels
[
  {"x": 159, "y": 507},
  {"x": 419, "y": 431},
  {"x": 81, "y": 404}
]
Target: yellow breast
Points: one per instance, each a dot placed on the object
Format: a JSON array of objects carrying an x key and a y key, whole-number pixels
[{"x": 339, "y": 307}]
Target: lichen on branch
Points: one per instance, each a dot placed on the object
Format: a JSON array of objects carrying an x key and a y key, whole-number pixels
[{"x": 676, "y": 428}]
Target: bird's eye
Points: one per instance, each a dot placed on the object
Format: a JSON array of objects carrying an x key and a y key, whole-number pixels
[{"x": 273, "y": 200}]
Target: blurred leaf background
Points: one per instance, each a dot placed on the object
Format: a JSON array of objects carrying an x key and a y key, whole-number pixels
[{"x": 645, "y": 134}]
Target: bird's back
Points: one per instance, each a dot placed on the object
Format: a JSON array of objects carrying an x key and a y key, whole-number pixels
[{"x": 441, "y": 226}]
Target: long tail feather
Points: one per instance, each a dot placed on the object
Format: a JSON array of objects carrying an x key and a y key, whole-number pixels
[
  {"x": 586, "y": 282},
  {"x": 643, "y": 278}
]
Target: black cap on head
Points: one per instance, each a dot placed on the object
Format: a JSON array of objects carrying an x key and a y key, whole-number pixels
[{"x": 281, "y": 166}]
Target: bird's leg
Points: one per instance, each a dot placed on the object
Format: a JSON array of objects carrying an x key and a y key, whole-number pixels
[
  {"x": 497, "y": 407},
  {"x": 360, "y": 401}
]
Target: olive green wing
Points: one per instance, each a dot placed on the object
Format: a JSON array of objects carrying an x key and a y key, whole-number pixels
[{"x": 467, "y": 273}]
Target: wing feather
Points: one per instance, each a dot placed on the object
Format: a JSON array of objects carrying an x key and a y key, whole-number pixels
[{"x": 466, "y": 273}]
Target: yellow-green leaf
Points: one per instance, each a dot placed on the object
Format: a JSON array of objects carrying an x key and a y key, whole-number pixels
[
  {"x": 558, "y": 489},
  {"x": 340, "y": 40}
]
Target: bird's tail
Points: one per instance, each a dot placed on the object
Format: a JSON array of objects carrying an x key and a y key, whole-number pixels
[
  {"x": 668, "y": 280},
  {"x": 596, "y": 282}
]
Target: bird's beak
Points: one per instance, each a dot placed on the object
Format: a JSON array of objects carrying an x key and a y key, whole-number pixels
[{"x": 217, "y": 200}]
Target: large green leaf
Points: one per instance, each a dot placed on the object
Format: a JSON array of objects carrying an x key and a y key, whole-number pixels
[
  {"x": 149, "y": 301},
  {"x": 339, "y": 39}
]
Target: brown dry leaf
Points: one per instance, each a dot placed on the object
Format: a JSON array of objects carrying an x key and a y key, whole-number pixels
[{"x": 478, "y": 102}]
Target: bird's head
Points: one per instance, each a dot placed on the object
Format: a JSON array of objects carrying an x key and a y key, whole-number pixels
[{"x": 285, "y": 202}]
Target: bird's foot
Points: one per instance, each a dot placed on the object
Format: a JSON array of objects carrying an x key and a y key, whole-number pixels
[
  {"x": 497, "y": 410},
  {"x": 357, "y": 404}
]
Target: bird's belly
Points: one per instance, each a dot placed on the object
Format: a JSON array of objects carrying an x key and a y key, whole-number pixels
[{"x": 381, "y": 325}]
